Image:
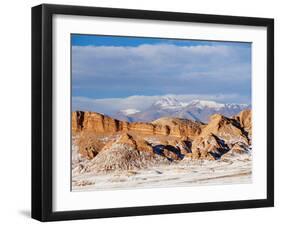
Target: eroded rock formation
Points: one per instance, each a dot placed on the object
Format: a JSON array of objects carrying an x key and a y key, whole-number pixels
[
  {"x": 100, "y": 138},
  {"x": 93, "y": 122}
]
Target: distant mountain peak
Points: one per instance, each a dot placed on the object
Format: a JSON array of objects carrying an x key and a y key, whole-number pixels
[
  {"x": 206, "y": 104},
  {"x": 170, "y": 106},
  {"x": 168, "y": 102}
]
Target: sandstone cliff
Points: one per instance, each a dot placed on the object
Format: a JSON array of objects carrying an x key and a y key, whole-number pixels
[
  {"x": 178, "y": 127},
  {"x": 93, "y": 122},
  {"x": 170, "y": 138},
  {"x": 219, "y": 136},
  {"x": 245, "y": 120}
]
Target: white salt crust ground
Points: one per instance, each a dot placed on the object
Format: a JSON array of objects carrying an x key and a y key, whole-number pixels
[{"x": 235, "y": 170}]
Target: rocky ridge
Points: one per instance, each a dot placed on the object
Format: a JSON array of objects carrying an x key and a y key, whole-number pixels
[
  {"x": 111, "y": 144},
  {"x": 92, "y": 122}
]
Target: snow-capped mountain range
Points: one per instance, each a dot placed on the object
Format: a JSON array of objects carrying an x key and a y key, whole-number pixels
[{"x": 168, "y": 106}]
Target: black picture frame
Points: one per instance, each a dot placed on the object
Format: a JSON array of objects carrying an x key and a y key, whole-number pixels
[{"x": 42, "y": 197}]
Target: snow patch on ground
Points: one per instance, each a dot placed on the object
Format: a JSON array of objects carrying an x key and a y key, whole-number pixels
[{"x": 187, "y": 172}]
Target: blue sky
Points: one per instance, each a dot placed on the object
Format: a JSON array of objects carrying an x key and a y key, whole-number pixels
[
  {"x": 110, "y": 68},
  {"x": 103, "y": 40}
]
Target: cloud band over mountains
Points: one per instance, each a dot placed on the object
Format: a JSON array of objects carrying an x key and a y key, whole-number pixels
[
  {"x": 112, "y": 105},
  {"x": 117, "y": 71},
  {"x": 138, "y": 71}
]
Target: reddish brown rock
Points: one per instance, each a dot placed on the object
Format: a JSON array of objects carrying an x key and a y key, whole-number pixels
[
  {"x": 170, "y": 154},
  {"x": 178, "y": 127},
  {"x": 245, "y": 120},
  {"x": 140, "y": 127},
  {"x": 96, "y": 123},
  {"x": 144, "y": 146},
  {"x": 89, "y": 145},
  {"x": 226, "y": 129},
  {"x": 93, "y": 122},
  {"x": 174, "y": 137},
  {"x": 209, "y": 147},
  {"x": 77, "y": 121},
  {"x": 126, "y": 139},
  {"x": 237, "y": 150}
]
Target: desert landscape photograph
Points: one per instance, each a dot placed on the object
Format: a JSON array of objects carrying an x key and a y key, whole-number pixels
[{"x": 159, "y": 112}]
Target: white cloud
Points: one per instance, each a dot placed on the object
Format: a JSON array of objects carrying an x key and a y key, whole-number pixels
[
  {"x": 111, "y": 105},
  {"x": 160, "y": 69},
  {"x": 153, "y": 60}
]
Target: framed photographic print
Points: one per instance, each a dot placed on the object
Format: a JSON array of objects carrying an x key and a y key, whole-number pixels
[{"x": 145, "y": 112}]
